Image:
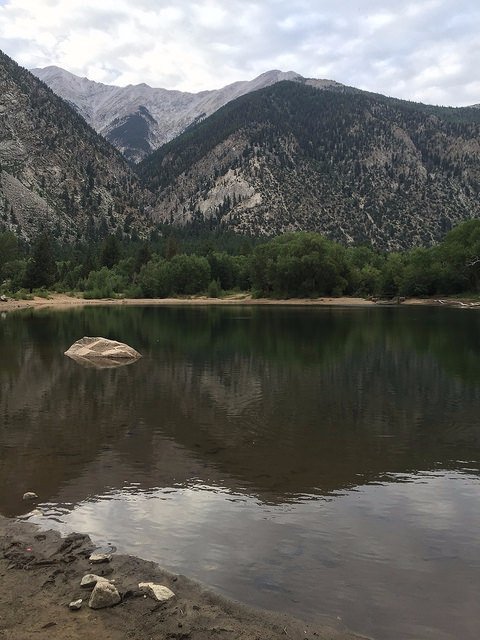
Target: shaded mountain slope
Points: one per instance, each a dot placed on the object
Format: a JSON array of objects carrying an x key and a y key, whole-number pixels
[{"x": 56, "y": 172}]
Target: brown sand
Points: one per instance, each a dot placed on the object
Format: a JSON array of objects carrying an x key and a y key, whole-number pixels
[
  {"x": 62, "y": 301},
  {"x": 40, "y": 574}
]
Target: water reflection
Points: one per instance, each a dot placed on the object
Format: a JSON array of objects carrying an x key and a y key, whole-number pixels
[
  {"x": 318, "y": 460},
  {"x": 100, "y": 362}
]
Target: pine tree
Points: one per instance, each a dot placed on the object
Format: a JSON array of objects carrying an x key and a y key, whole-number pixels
[
  {"x": 110, "y": 252},
  {"x": 41, "y": 268}
]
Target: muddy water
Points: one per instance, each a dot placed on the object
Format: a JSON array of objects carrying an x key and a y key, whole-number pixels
[{"x": 318, "y": 461}]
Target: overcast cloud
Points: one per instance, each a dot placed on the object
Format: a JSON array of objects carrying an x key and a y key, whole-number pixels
[{"x": 425, "y": 50}]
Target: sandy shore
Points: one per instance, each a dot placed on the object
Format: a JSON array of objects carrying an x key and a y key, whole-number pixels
[
  {"x": 41, "y": 572},
  {"x": 63, "y": 301}
]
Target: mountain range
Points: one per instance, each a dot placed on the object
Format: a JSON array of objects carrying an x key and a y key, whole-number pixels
[
  {"x": 138, "y": 119},
  {"x": 280, "y": 153}
]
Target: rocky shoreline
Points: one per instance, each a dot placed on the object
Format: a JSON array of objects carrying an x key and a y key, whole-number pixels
[{"x": 41, "y": 575}]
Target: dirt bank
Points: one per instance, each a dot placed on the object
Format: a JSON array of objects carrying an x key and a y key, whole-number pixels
[
  {"x": 40, "y": 574},
  {"x": 64, "y": 301}
]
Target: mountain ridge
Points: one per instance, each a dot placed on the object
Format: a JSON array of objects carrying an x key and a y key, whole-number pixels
[
  {"x": 57, "y": 173},
  {"x": 138, "y": 119},
  {"x": 357, "y": 167}
]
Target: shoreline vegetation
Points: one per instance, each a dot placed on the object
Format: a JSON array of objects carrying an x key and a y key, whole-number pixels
[
  {"x": 41, "y": 573},
  {"x": 298, "y": 265}
]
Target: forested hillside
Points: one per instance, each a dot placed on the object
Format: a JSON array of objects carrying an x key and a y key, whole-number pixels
[
  {"x": 56, "y": 173},
  {"x": 354, "y": 166}
]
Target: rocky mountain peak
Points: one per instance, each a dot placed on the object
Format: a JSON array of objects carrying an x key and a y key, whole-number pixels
[{"x": 138, "y": 119}]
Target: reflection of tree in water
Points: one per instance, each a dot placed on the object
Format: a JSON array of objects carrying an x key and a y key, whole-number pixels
[{"x": 276, "y": 402}]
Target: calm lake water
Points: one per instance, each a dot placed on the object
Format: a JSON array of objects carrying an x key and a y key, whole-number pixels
[{"x": 310, "y": 460}]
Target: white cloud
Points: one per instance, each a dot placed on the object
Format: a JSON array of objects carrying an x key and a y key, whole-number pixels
[{"x": 425, "y": 50}]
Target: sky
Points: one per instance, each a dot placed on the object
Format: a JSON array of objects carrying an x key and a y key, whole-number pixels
[{"x": 423, "y": 50}]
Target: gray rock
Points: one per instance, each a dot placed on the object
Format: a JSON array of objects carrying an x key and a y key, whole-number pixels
[
  {"x": 3, "y": 298},
  {"x": 90, "y": 580},
  {"x": 30, "y": 495},
  {"x": 104, "y": 595},
  {"x": 158, "y": 592},
  {"x": 75, "y": 605},
  {"x": 99, "y": 558}
]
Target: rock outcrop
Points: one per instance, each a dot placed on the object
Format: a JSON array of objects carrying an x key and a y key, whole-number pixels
[{"x": 101, "y": 352}]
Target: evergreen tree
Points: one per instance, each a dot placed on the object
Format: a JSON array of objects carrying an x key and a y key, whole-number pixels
[
  {"x": 41, "y": 268},
  {"x": 8, "y": 249},
  {"x": 143, "y": 255},
  {"x": 110, "y": 252},
  {"x": 172, "y": 247}
]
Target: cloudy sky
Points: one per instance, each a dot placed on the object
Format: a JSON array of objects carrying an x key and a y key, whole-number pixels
[{"x": 426, "y": 50}]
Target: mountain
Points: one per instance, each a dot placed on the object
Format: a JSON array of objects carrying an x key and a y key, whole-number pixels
[
  {"x": 355, "y": 166},
  {"x": 358, "y": 167},
  {"x": 138, "y": 119},
  {"x": 56, "y": 172}
]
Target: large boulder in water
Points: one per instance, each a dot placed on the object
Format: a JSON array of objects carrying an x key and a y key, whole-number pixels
[{"x": 101, "y": 353}]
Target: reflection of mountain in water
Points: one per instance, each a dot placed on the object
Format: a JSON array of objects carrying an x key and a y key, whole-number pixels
[{"x": 279, "y": 403}]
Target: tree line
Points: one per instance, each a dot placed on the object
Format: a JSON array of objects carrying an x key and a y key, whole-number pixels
[{"x": 301, "y": 264}]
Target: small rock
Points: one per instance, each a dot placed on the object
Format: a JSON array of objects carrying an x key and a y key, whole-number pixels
[
  {"x": 104, "y": 595},
  {"x": 30, "y": 495},
  {"x": 75, "y": 605},
  {"x": 98, "y": 558},
  {"x": 158, "y": 592},
  {"x": 90, "y": 580},
  {"x": 4, "y": 298}
]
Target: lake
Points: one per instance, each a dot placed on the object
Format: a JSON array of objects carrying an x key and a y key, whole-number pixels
[{"x": 319, "y": 461}]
